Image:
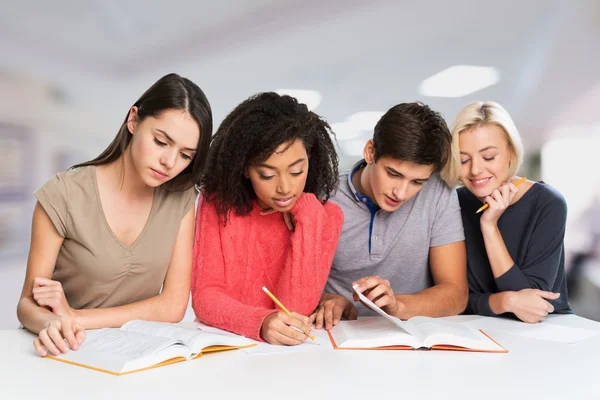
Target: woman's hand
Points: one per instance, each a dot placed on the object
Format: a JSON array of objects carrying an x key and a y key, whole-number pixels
[
  {"x": 498, "y": 201},
  {"x": 531, "y": 305},
  {"x": 48, "y": 293},
  {"x": 288, "y": 218},
  {"x": 59, "y": 336},
  {"x": 281, "y": 329}
]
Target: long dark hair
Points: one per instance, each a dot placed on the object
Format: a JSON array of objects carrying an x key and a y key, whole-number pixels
[
  {"x": 171, "y": 92},
  {"x": 250, "y": 134}
]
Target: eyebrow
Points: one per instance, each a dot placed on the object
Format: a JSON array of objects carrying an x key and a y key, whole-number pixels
[
  {"x": 482, "y": 150},
  {"x": 392, "y": 170},
  {"x": 275, "y": 169},
  {"x": 171, "y": 139}
]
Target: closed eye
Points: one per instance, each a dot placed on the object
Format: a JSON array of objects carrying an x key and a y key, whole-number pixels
[
  {"x": 266, "y": 177},
  {"x": 186, "y": 156},
  {"x": 489, "y": 158},
  {"x": 296, "y": 173},
  {"x": 158, "y": 142}
]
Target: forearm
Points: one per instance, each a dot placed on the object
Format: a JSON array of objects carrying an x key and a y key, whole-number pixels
[
  {"x": 161, "y": 308},
  {"x": 313, "y": 245},
  {"x": 498, "y": 256},
  {"x": 33, "y": 317},
  {"x": 441, "y": 300},
  {"x": 215, "y": 307}
]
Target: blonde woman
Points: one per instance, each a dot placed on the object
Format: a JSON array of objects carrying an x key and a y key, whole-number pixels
[{"x": 515, "y": 249}]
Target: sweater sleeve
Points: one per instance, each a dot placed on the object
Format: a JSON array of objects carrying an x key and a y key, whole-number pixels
[
  {"x": 212, "y": 301},
  {"x": 313, "y": 245},
  {"x": 479, "y": 303},
  {"x": 543, "y": 254}
]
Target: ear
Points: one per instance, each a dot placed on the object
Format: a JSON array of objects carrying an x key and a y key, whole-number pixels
[
  {"x": 246, "y": 173},
  {"x": 369, "y": 152},
  {"x": 132, "y": 119}
]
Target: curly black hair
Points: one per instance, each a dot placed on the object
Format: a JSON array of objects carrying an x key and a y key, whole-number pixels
[{"x": 250, "y": 134}]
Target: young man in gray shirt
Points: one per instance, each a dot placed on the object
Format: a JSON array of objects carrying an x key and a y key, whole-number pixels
[{"x": 402, "y": 241}]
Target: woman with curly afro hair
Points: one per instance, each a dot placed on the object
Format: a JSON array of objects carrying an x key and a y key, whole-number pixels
[{"x": 264, "y": 220}]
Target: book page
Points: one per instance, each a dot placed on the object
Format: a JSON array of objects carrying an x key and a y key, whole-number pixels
[
  {"x": 118, "y": 351},
  {"x": 262, "y": 348},
  {"x": 195, "y": 339},
  {"x": 371, "y": 332},
  {"x": 407, "y": 326},
  {"x": 440, "y": 332}
]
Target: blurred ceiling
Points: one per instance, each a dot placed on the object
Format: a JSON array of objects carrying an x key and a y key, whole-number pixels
[{"x": 361, "y": 56}]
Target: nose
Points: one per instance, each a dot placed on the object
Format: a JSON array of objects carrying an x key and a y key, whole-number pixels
[
  {"x": 169, "y": 158},
  {"x": 476, "y": 167},
  {"x": 400, "y": 191},
  {"x": 283, "y": 186}
]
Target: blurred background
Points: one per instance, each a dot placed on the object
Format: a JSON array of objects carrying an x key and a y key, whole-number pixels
[{"x": 70, "y": 70}]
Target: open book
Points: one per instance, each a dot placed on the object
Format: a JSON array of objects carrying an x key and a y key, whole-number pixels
[
  {"x": 416, "y": 333},
  {"x": 140, "y": 345}
]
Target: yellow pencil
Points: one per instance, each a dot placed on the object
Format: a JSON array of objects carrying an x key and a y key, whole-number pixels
[
  {"x": 486, "y": 205},
  {"x": 283, "y": 308}
]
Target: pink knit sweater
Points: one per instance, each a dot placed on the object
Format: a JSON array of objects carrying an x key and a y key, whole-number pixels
[{"x": 233, "y": 262}]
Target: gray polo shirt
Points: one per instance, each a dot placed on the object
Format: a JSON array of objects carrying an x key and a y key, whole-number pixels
[{"x": 393, "y": 245}]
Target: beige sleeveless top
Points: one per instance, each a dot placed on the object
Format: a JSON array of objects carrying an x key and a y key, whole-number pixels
[{"x": 94, "y": 267}]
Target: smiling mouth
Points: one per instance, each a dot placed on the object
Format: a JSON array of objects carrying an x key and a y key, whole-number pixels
[{"x": 480, "y": 182}]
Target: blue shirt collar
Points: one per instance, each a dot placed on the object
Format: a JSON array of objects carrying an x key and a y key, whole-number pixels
[{"x": 361, "y": 197}]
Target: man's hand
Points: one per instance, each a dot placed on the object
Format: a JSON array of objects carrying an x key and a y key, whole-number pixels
[
  {"x": 380, "y": 292},
  {"x": 332, "y": 308}
]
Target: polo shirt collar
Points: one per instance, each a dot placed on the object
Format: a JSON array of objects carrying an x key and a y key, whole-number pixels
[{"x": 361, "y": 198}]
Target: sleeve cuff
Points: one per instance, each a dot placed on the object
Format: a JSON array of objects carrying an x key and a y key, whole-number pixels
[{"x": 512, "y": 280}]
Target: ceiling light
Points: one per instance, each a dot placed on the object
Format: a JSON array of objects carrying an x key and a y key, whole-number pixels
[
  {"x": 355, "y": 124},
  {"x": 311, "y": 98},
  {"x": 459, "y": 81}
]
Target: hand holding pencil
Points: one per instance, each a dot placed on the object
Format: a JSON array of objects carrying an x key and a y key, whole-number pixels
[
  {"x": 285, "y": 327},
  {"x": 486, "y": 205},
  {"x": 498, "y": 202}
]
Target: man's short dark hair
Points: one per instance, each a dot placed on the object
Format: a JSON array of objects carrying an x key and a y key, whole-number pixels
[{"x": 413, "y": 132}]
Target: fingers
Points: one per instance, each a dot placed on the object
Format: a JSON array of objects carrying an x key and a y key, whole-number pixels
[
  {"x": 319, "y": 318},
  {"x": 267, "y": 211},
  {"x": 351, "y": 312},
  {"x": 506, "y": 196},
  {"x": 69, "y": 334},
  {"x": 289, "y": 221},
  {"x": 547, "y": 295},
  {"x": 369, "y": 282},
  {"x": 283, "y": 339},
  {"x": 306, "y": 320},
  {"x": 49, "y": 342},
  {"x": 80, "y": 334},
  {"x": 295, "y": 322},
  {"x": 40, "y": 281},
  {"x": 39, "y": 348}
]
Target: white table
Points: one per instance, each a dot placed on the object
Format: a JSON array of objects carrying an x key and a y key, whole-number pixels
[{"x": 532, "y": 369}]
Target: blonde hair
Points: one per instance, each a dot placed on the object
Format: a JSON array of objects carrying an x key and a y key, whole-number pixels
[{"x": 474, "y": 115}]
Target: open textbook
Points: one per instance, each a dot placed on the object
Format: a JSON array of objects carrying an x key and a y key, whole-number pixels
[
  {"x": 140, "y": 345},
  {"x": 416, "y": 333}
]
